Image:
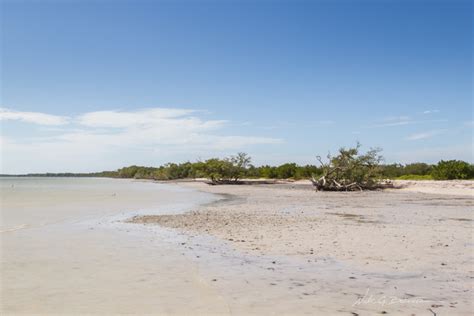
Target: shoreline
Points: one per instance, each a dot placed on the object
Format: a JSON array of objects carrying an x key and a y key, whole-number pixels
[
  {"x": 439, "y": 187},
  {"x": 234, "y": 208}
]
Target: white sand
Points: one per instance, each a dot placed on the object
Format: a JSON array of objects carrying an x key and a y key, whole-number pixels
[
  {"x": 452, "y": 187},
  {"x": 396, "y": 244}
]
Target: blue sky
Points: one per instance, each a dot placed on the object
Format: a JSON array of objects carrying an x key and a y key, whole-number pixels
[{"x": 93, "y": 85}]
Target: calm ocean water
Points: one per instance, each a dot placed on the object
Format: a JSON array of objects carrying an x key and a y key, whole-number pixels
[
  {"x": 64, "y": 248},
  {"x": 32, "y": 201}
]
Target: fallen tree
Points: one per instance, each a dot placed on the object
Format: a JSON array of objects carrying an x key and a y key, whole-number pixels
[{"x": 351, "y": 171}]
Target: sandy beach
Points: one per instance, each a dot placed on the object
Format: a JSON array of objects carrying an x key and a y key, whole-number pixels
[
  {"x": 402, "y": 251},
  {"x": 108, "y": 246}
]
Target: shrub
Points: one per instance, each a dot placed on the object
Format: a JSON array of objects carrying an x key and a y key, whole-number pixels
[
  {"x": 397, "y": 170},
  {"x": 240, "y": 164},
  {"x": 453, "y": 169},
  {"x": 418, "y": 168},
  {"x": 227, "y": 169},
  {"x": 268, "y": 172},
  {"x": 392, "y": 170},
  {"x": 306, "y": 172},
  {"x": 350, "y": 170},
  {"x": 286, "y": 171}
]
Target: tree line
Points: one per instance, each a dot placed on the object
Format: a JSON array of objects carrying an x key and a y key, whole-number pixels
[
  {"x": 238, "y": 167},
  {"x": 234, "y": 168}
]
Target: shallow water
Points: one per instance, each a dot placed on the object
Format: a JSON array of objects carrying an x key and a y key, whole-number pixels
[
  {"x": 32, "y": 202},
  {"x": 64, "y": 250}
]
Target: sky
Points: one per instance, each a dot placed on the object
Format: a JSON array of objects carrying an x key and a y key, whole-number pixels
[{"x": 98, "y": 85}]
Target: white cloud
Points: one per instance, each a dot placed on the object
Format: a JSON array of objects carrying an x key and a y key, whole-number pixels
[
  {"x": 122, "y": 137},
  {"x": 32, "y": 117},
  {"x": 127, "y": 119},
  {"x": 430, "y": 111},
  {"x": 425, "y": 135}
]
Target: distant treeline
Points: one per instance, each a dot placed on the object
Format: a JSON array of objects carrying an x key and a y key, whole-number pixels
[
  {"x": 102, "y": 174},
  {"x": 444, "y": 170},
  {"x": 217, "y": 168},
  {"x": 239, "y": 166}
]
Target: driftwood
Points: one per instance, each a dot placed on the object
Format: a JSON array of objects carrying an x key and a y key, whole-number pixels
[{"x": 323, "y": 184}]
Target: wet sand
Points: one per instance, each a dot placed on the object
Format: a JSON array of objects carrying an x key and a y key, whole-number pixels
[{"x": 395, "y": 251}]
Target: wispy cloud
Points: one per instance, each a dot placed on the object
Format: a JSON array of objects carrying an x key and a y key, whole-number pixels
[
  {"x": 401, "y": 121},
  {"x": 393, "y": 121},
  {"x": 32, "y": 117},
  {"x": 430, "y": 111},
  {"x": 126, "y": 119},
  {"x": 125, "y": 136},
  {"x": 153, "y": 126},
  {"x": 425, "y": 135}
]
